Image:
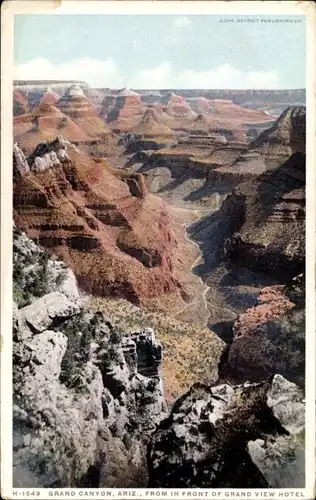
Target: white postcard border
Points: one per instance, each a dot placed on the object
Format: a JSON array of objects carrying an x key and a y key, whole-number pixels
[{"x": 11, "y": 7}]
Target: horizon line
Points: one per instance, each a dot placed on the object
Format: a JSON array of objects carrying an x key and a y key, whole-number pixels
[{"x": 21, "y": 82}]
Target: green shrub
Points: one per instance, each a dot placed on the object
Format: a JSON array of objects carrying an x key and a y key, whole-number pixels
[
  {"x": 31, "y": 276},
  {"x": 80, "y": 333}
]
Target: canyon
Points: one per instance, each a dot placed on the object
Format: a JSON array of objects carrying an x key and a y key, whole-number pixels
[
  {"x": 89, "y": 408},
  {"x": 176, "y": 222}
]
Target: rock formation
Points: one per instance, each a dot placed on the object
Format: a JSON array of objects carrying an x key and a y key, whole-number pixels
[
  {"x": 45, "y": 122},
  {"x": 89, "y": 409},
  {"x": 49, "y": 97},
  {"x": 253, "y": 248},
  {"x": 179, "y": 108},
  {"x": 269, "y": 337},
  {"x": 20, "y": 103},
  {"x": 201, "y": 124},
  {"x": 203, "y": 105},
  {"x": 246, "y": 436},
  {"x": 228, "y": 109},
  {"x": 151, "y": 125},
  {"x": 126, "y": 111},
  {"x": 272, "y": 235},
  {"x": 86, "y": 397},
  {"x": 114, "y": 235},
  {"x": 226, "y": 118},
  {"x": 77, "y": 106},
  {"x": 162, "y": 111},
  {"x": 277, "y": 143},
  {"x": 211, "y": 150},
  {"x": 20, "y": 164},
  {"x": 96, "y": 97},
  {"x": 265, "y": 206},
  {"x": 195, "y": 168}
]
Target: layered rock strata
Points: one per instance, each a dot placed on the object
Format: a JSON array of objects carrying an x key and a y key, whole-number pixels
[
  {"x": 89, "y": 409},
  {"x": 267, "y": 235},
  {"x": 78, "y": 108},
  {"x": 127, "y": 110},
  {"x": 116, "y": 237},
  {"x": 45, "y": 122},
  {"x": 150, "y": 125}
]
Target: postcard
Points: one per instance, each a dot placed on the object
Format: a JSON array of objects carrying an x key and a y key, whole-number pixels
[{"x": 158, "y": 249}]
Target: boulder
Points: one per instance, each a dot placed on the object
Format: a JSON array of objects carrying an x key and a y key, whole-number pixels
[
  {"x": 47, "y": 350},
  {"x": 47, "y": 310},
  {"x": 282, "y": 461}
]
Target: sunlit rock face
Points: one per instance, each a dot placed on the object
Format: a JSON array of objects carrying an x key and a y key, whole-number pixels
[
  {"x": 49, "y": 97},
  {"x": 76, "y": 105},
  {"x": 96, "y": 219},
  {"x": 86, "y": 396},
  {"x": 122, "y": 242},
  {"x": 20, "y": 165}
]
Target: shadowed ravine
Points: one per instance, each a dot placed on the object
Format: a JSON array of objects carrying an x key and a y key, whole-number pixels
[{"x": 216, "y": 313}]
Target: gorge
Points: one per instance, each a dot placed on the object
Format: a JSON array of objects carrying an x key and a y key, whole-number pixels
[{"x": 159, "y": 289}]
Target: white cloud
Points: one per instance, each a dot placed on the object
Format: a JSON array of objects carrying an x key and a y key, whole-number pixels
[
  {"x": 157, "y": 77},
  {"x": 181, "y": 22},
  {"x": 93, "y": 71},
  {"x": 224, "y": 76},
  {"x": 106, "y": 73}
]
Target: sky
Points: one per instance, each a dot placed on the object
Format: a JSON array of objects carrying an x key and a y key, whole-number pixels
[{"x": 162, "y": 51}]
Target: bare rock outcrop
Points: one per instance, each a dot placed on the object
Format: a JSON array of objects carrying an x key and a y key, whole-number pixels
[
  {"x": 49, "y": 97},
  {"x": 49, "y": 154},
  {"x": 86, "y": 396},
  {"x": 242, "y": 436},
  {"x": 20, "y": 164},
  {"x": 35, "y": 274},
  {"x": 276, "y": 144},
  {"x": 89, "y": 407},
  {"x": 44, "y": 123},
  {"x": 52, "y": 308},
  {"x": 46, "y": 155},
  {"x": 179, "y": 108},
  {"x": 271, "y": 237}
]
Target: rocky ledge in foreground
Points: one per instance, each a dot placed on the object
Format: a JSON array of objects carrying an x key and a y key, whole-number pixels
[
  {"x": 89, "y": 408},
  {"x": 244, "y": 436},
  {"x": 86, "y": 396}
]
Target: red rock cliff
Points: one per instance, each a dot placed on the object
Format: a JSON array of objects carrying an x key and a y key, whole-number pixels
[{"x": 114, "y": 235}]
